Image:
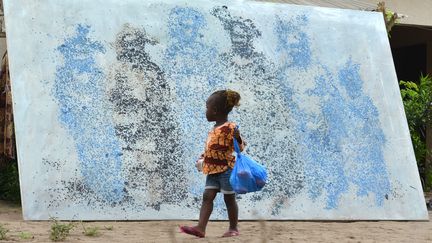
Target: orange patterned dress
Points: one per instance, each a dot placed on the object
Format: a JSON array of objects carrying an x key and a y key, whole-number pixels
[{"x": 218, "y": 155}]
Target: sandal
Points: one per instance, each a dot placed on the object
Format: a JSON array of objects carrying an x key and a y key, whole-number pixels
[
  {"x": 192, "y": 231},
  {"x": 231, "y": 233}
]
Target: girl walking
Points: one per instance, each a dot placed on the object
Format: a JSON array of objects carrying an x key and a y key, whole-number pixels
[{"x": 218, "y": 161}]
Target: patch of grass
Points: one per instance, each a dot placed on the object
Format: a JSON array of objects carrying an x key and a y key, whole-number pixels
[
  {"x": 3, "y": 232},
  {"x": 91, "y": 231},
  {"x": 109, "y": 227},
  {"x": 60, "y": 231},
  {"x": 25, "y": 235}
]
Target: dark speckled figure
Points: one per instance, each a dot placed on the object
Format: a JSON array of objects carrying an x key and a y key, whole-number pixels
[
  {"x": 257, "y": 78},
  {"x": 242, "y": 32},
  {"x": 150, "y": 139}
]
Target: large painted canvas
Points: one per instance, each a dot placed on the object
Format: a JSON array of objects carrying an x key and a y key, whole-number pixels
[{"x": 109, "y": 101}]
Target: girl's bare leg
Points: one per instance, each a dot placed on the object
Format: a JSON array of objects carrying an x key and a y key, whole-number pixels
[
  {"x": 206, "y": 208},
  {"x": 232, "y": 209}
]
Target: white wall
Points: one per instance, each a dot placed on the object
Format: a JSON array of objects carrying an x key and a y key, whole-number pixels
[{"x": 110, "y": 112}]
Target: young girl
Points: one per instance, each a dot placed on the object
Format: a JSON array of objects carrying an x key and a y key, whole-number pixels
[{"x": 218, "y": 162}]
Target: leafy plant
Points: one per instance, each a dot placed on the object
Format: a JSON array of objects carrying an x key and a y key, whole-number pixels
[
  {"x": 3, "y": 232},
  {"x": 417, "y": 100},
  {"x": 60, "y": 231},
  {"x": 91, "y": 231},
  {"x": 390, "y": 18},
  {"x": 25, "y": 235}
]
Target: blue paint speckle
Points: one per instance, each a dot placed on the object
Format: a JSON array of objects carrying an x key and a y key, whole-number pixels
[
  {"x": 292, "y": 42},
  {"x": 79, "y": 91},
  {"x": 349, "y": 78}
]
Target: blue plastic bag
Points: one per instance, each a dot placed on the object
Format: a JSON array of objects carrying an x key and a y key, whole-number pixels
[{"x": 247, "y": 175}]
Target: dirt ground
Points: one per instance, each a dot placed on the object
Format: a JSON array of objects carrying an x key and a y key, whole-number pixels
[{"x": 251, "y": 231}]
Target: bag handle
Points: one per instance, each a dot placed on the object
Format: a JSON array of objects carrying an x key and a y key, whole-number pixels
[{"x": 236, "y": 146}]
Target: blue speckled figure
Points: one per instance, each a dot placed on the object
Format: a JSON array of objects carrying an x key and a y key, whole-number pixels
[
  {"x": 366, "y": 138},
  {"x": 346, "y": 129},
  {"x": 80, "y": 94},
  {"x": 293, "y": 42},
  {"x": 193, "y": 66},
  {"x": 325, "y": 166}
]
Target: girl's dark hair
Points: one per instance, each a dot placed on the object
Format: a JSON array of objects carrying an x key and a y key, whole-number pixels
[{"x": 226, "y": 100}]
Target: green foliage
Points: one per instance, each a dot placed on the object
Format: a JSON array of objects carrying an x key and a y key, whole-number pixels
[
  {"x": 389, "y": 15},
  {"x": 91, "y": 231},
  {"x": 25, "y": 235},
  {"x": 390, "y": 18},
  {"x": 60, "y": 231},
  {"x": 3, "y": 232},
  {"x": 9, "y": 183},
  {"x": 417, "y": 100}
]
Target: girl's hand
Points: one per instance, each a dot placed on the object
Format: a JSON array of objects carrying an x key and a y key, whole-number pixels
[{"x": 199, "y": 163}]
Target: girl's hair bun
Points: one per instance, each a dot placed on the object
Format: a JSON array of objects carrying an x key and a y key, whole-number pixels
[
  {"x": 226, "y": 100},
  {"x": 232, "y": 98}
]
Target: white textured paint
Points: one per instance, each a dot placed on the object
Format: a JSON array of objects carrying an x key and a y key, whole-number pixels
[{"x": 109, "y": 102}]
